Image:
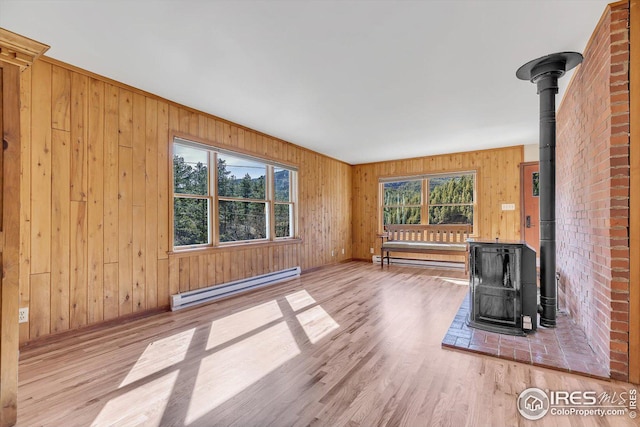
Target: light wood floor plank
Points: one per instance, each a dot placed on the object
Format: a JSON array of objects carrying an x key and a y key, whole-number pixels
[{"x": 347, "y": 345}]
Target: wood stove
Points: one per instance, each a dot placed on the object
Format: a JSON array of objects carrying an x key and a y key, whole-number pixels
[{"x": 503, "y": 287}]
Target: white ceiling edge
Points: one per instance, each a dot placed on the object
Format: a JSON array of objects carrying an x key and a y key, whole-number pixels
[{"x": 359, "y": 81}]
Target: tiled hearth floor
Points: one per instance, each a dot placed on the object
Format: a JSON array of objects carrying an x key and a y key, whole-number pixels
[{"x": 564, "y": 348}]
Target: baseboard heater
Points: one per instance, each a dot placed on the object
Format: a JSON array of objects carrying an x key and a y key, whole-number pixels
[
  {"x": 212, "y": 293},
  {"x": 419, "y": 262}
]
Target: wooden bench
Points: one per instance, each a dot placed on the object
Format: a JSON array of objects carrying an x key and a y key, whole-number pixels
[{"x": 426, "y": 239}]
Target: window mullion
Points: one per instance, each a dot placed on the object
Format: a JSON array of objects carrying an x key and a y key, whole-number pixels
[
  {"x": 213, "y": 199},
  {"x": 425, "y": 202},
  {"x": 269, "y": 198}
]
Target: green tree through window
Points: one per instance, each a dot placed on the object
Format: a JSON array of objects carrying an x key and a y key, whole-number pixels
[
  {"x": 402, "y": 202},
  {"x": 191, "y": 202},
  {"x": 241, "y": 199},
  {"x": 451, "y": 200}
]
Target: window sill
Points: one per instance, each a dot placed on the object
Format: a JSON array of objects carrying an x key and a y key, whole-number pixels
[{"x": 231, "y": 247}]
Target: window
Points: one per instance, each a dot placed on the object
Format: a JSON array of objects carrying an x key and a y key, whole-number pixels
[
  {"x": 242, "y": 202},
  {"x": 402, "y": 202},
  {"x": 429, "y": 199},
  {"x": 451, "y": 199},
  {"x": 192, "y": 200},
  {"x": 242, "y": 199}
]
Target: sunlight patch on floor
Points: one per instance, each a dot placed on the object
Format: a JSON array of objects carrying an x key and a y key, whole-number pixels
[
  {"x": 159, "y": 355},
  {"x": 232, "y": 367},
  {"x": 462, "y": 282},
  {"x": 243, "y": 322},
  {"x": 122, "y": 410},
  {"x": 300, "y": 300},
  {"x": 316, "y": 323},
  {"x": 229, "y": 371}
]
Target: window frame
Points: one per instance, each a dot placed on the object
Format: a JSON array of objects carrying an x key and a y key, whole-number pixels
[
  {"x": 425, "y": 193},
  {"x": 208, "y": 197},
  {"x": 213, "y": 224},
  {"x": 419, "y": 205}
]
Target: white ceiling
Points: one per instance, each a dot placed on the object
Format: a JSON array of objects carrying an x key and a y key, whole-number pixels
[{"x": 359, "y": 81}]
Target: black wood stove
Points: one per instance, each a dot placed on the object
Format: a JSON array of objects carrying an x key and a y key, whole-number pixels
[{"x": 503, "y": 287}]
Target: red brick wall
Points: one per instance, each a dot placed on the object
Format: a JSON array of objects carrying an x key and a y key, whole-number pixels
[{"x": 592, "y": 200}]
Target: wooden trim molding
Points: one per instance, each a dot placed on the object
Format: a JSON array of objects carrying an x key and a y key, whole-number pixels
[
  {"x": 634, "y": 191},
  {"x": 522, "y": 213},
  {"x": 16, "y": 54},
  {"x": 9, "y": 258},
  {"x": 189, "y": 252},
  {"x": 19, "y": 50}
]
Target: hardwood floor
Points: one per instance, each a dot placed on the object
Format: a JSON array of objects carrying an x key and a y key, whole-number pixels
[{"x": 347, "y": 345}]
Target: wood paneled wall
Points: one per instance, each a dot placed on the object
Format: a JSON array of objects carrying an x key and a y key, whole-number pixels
[
  {"x": 498, "y": 182},
  {"x": 96, "y": 194}
]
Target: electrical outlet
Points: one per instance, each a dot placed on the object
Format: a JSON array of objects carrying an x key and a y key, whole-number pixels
[
  {"x": 371, "y": 250},
  {"x": 342, "y": 251},
  {"x": 333, "y": 253},
  {"x": 23, "y": 315}
]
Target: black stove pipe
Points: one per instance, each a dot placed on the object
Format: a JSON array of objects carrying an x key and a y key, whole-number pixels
[{"x": 544, "y": 72}]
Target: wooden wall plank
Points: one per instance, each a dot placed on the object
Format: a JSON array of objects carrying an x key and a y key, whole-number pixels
[
  {"x": 111, "y": 303},
  {"x": 25, "y": 196},
  {"x": 60, "y": 219},
  {"x": 226, "y": 135},
  {"x": 125, "y": 118},
  {"x": 211, "y": 269},
  {"x": 184, "y": 274},
  {"x": 194, "y": 123},
  {"x": 202, "y": 263},
  {"x": 163, "y": 180},
  {"x": 226, "y": 272},
  {"x": 138, "y": 201},
  {"x": 151, "y": 203},
  {"x": 95, "y": 206},
  {"x": 219, "y": 139},
  {"x": 41, "y": 169},
  {"x": 174, "y": 117},
  {"x": 250, "y": 263},
  {"x": 219, "y": 260},
  {"x": 125, "y": 230},
  {"x": 139, "y": 259},
  {"x": 174, "y": 275},
  {"x": 194, "y": 272},
  {"x": 163, "y": 283},
  {"x": 110, "y": 173},
  {"x": 139, "y": 152},
  {"x": 183, "y": 121},
  {"x": 60, "y": 98},
  {"x": 79, "y": 110},
  {"x": 236, "y": 262},
  {"x": 40, "y": 305},
  {"x": 202, "y": 126},
  {"x": 78, "y": 265}
]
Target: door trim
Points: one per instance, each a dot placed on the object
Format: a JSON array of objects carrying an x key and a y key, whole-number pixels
[{"x": 522, "y": 212}]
